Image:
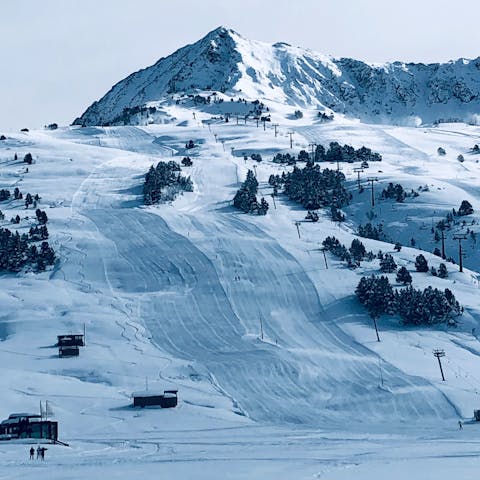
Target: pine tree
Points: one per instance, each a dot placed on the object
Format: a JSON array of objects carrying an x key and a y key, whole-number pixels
[
  {"x": 357, "y": 250},
  {"x": 421, "y": 263},
  {"x": 336, "y": 214},
  {"x": 41, "y": 216},
  {"x": 442, "y": 271},
  {"x": 319, "y": 153},
  {"x": 263, "y": 207},
  {"x": 376, "y": 294},
  {"x": 403, "y": 276},
  {"x": 465, "y": 208},
  {"x": 245, "y": 199},
  {"x": 387, "y": 264},
  {"x": 28, "y": 200}
]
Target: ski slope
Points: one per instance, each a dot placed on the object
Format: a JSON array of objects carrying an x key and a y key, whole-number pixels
[{"x": 277, "y": 365}]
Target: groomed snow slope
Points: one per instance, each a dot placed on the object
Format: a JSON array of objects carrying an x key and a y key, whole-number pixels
[{"x": 180, "y": 292}]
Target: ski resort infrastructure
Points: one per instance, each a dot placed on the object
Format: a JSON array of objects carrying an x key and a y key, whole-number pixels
[{"x": 277, "y": 366}]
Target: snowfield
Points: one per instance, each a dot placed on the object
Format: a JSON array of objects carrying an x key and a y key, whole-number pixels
[{"x": 278, "y": 370}]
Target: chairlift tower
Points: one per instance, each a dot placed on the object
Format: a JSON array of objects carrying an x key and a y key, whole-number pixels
[
  {"x": 439, "y": 353},
  {"x": 291, "y": 139},
  {"x": 443, "y": 244},
  {"x": 371, "y": 180},
  {"x": 460, "y": 237},
  {"x": 297, "y": 224},
  {"x": 322, "y": 249},
  {"x": 358, "y": 170}
]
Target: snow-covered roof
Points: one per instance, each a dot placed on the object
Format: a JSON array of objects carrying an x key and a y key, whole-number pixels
[
  {"x": 154, "y": 393},
  {"x": 18, "y": 415}
]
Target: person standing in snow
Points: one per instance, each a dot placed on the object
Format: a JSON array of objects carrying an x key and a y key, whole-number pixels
[
  {"x": 42, "y": 452},
  {"x": 460, "y": 425},
  {"x": 38, "y": 451},
  {"x": 32, "y": 453}
]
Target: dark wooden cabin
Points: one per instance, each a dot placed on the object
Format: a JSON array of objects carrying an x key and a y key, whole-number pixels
[
  {"x": 71, "y": 351},
  {"x": 167, "y": 399},
  {"x": 28, "y": 425},
  {"x": 70, "y": 340}
]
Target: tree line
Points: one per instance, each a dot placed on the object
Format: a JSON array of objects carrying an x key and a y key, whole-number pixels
[
  {"x": 414, "y": 307},
  {"x": 313, "y": 188}
]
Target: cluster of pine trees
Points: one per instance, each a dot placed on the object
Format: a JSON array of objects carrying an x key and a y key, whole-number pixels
[
  {"x": 246, "y": 197},
  {"x": 370, "y": 231},
  {"x": 397, "y": 192},
  {"x": 125, "y": 118},
  {"x": 421, "y": 265},
  {"x": 413, "y": 306},
  {"x": 334, "y": 153},
  {"x": 18, "y": 195},
  {"x": 358, "y": 253},
  {"x": 345, "y": 153},
  {"x": 353, "y": 255},
  {"x": 312, "y": 187},
  {"x": 465, "y": 208},
  {"x": 164, "y": 182},
  {"x": 18, "y": 251},
  {"x": 324, "y": 117},
  {"x": 284, "y": 158},
  {"x": 4, "y": 195}
]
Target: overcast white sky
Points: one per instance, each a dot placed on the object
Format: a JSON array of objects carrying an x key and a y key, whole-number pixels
[{"x": 58, "y": 56}]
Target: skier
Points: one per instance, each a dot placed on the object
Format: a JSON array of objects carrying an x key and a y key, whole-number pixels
[
  {"x": 32, "y": 453},
  {"x": 42, "y": 452},
  {"x": 460, "y": 425},
  {"x": 38, "y": 451}
]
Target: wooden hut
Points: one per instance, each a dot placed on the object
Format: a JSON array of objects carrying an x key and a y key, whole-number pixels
[{"x": 167, "y": 399}]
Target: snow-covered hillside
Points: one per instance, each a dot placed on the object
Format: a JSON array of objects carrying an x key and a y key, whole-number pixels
[
  {"x": 277, "y": 366},
  {"x": 224, "y": 61}
]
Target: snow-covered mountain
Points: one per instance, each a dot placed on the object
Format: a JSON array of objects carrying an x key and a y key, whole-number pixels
[
  {"x": 227, "y": 62},
  {"x": 279, "y": 371}
]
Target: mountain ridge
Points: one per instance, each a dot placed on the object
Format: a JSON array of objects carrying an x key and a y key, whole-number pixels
[{"x": 225, "y": 61}]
